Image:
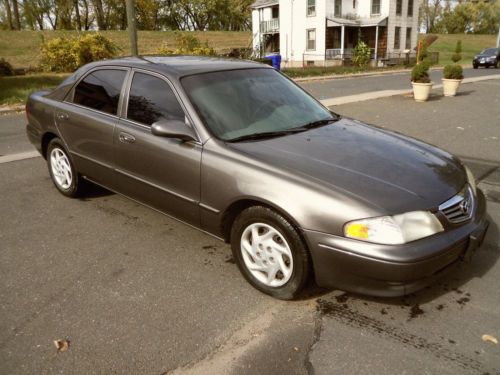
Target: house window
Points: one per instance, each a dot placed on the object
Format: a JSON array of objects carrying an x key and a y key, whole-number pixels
[
  {"x": 337, "y": 10},
  {"x": 353, "y": 4},
  {"x": 399, "y": 7},
  {"x": 397, "y": 37},
  {"x": 410, "y": 8},
  {"x": 311, "y": 39},
  {"x": 276, "y": 12},
  {"x": 408, "y": 37},
  {"x": 375, "y": 6},
  {"x": 311, "y": 8}
]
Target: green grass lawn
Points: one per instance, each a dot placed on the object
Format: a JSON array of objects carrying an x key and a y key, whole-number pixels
[
  {"x": 21, "y": 48},
  {"x": 15, "y": 90},
  {"x": 471, "y": 45}
]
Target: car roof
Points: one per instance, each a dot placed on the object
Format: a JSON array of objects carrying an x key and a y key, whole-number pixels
[{"x": 178, "y": 66}]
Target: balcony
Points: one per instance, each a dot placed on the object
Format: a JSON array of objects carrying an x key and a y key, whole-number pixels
[{"x": 271, "y": 26}]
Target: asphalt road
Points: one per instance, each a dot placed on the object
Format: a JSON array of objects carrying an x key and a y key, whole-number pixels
[
  {"x": 323, "y": 89},
  {"x": 137, "y": 292}
]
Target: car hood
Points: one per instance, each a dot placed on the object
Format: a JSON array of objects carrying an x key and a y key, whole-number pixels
[{"x": 390, "y": 172}]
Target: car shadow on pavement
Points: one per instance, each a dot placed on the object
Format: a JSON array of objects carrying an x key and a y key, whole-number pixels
[{"x": 95, "y": 191}]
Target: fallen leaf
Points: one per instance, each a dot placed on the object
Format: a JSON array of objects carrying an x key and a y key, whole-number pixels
[
  {"x": 490, "y": 339},
  {"x": 295, "y": 348},
  {"x": 61, "y": 345}
]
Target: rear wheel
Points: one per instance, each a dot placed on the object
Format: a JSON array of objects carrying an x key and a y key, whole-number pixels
[
  {"x": 270, "y": 252},
  {"x": 62, "y": 170}
]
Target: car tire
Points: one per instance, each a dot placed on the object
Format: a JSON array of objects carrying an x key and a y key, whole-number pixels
[
  {"x": 278, "y": 262},
  {"x": 62, "y": 170},
  {"x": 474, "y": 66}
]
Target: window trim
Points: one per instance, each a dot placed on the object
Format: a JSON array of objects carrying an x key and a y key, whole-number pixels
[
  {"x": 128, "y": 86},
  {"x": 307, "y": 39},
  {"x": 68, "y": 99},
  {"x": 398, "y": 39},
  {"x": 400, "y": 13},
  {"x": 408, "y": 37},
  {"x": 340, "y": 8},
  {"x": 412, "y": 8},
  {"x": 313, "y": 13},
  {"x": 379, "y": 8}
]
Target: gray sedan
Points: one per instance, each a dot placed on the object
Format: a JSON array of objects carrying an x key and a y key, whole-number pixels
[{"x": 239, "y": 151}]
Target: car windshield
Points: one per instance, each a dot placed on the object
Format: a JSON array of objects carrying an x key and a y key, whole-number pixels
[
  {"x": 239, "y": 104},
  {"x": 489, "y": 51}
]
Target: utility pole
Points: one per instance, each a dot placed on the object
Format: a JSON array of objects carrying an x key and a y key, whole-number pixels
[
  {"x": 498, "y": 38},
  {"x": 132, "y": 31}
]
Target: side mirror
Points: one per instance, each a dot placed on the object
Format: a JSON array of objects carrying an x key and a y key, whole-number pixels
[{"x": 173, "y": 129}]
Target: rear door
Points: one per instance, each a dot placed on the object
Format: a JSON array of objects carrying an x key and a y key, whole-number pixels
[
  {"x": 161, "y": 172},
  {"x": 86, "y": 122}
]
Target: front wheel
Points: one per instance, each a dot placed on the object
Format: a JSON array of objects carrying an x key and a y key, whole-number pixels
[
  {"x": 62, "y": 171},
  {"x": 270, "y": 252},
  {"x": 474, "y": 66}
]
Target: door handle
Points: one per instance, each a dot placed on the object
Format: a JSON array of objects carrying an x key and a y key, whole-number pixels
[
  {"x": 126, "y": 138},
  {"x": 62, "y": 116}
]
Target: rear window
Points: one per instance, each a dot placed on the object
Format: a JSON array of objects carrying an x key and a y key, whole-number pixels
[{"x": 100, "y": 90}]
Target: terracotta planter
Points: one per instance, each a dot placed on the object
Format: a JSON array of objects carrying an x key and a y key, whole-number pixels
[
  {"x": 421, "y": 91},
  {"x": 450, "y": 86}
]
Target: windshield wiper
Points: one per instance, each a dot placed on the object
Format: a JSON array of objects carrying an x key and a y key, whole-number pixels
[
  {"x": 317, "y": 124},
  {"x": 309, "y": 125},
  {"x": 265, "y": 135}
]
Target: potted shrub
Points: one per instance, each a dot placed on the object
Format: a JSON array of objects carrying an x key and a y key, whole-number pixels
[
  {"x": 452, "y": 76},
  {"x": 421, "y": 81},
  {"x": 453, "y": 73}
]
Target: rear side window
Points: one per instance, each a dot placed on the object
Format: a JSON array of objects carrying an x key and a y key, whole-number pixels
[
  {"x": 100, "y": 90},
  {"x": 151, "y": 99}
]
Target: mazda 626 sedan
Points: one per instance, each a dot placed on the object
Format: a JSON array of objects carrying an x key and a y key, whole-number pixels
[{"x": 236, "y": 149}]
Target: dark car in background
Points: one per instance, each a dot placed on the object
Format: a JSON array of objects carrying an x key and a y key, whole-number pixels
[
  {"x": 238, "y": 150},
  {"x": 488, "y": 57}
]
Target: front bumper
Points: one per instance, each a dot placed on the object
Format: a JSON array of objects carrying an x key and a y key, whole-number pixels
[
  {"x": 484, "y": 62},
  {"x": 393, "y": 270}
]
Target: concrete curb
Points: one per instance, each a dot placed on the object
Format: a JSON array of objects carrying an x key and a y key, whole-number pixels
[{"x": 11, "y": 109}]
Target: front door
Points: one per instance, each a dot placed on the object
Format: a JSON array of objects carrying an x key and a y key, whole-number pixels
[
  {"x": 161, "y": 172},
  {"x": 86, "y": 122}
]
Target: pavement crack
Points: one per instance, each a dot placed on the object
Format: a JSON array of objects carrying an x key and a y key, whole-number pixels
[{"x": 318, "y": 326}]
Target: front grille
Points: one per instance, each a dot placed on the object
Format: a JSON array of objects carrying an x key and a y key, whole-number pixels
[{"x": 460, "y": 207}]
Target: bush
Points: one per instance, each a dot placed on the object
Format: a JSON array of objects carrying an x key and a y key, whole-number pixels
[
  {"x": 187, "y": 44},
  {"x": 5, "y": 68},
  {"x": 422, "y": 53},
  {"x": 68, "y": 54},
  {"x": 457, "y": 56},
  {"x": 453, "y": 71},
  {"x": 361, "y": 54},
  {"x": 420, "y": 72}
]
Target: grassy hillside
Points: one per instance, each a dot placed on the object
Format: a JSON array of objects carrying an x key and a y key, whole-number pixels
[
  {"x": 21, "y": 48},
  {"x": 471, "y": 45}
]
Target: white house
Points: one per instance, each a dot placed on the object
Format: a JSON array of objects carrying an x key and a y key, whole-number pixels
[{"x": 324, "y": 32}]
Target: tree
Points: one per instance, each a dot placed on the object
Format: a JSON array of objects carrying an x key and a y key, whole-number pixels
[{"x": 8, "y": 12}]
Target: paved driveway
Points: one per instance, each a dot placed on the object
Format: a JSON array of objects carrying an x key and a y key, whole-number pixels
[{"x": 136, "y": 292}]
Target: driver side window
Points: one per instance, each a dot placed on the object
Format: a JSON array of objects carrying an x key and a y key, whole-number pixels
[{"x": 151, "y": 99}]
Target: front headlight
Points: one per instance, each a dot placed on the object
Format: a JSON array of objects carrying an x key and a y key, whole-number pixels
[
  {"x": 471, "y": 180},
  {"x": 394, "y": 230}
]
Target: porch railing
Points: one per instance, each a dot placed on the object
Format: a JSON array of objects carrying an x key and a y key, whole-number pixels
[
  {"x": 336, "y": 53},
  {"x": 270, "y": 26}
]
